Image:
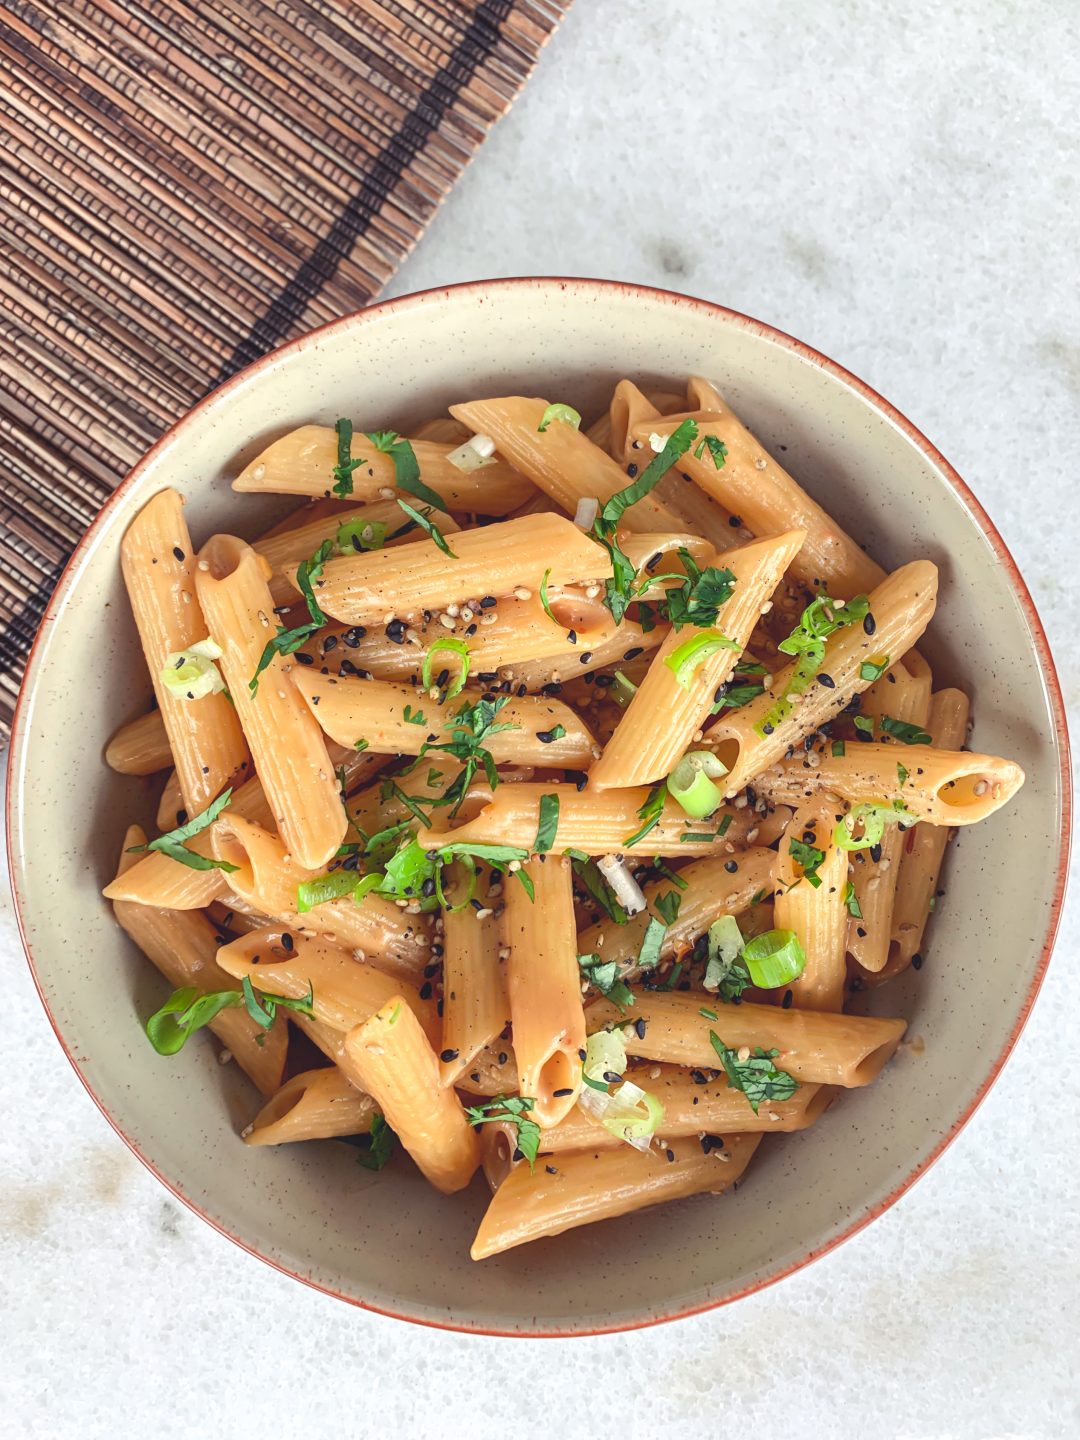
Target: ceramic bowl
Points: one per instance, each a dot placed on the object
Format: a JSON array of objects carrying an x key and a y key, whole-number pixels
[{"x": 388, "y": 1242}]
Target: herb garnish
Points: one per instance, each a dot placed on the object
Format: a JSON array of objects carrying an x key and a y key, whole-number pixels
[
  {"x": 428, "y": 526},
  {"x": 343, "y": 481},
  {"x": 901, "y": 730},
  {"x": 383, "y": 1140},
  {"x": 821, "y": 618},
  {"x": 172, "y": 843},
  {"x": 406, "y": 467},
  {"x": 650, "y": 812},
  {"x": 697, "y": 600},
  {"x": 716, "y": 448},
  {"x": 548, "y": 824},
  {"x": 603, "y": 976},
  {"x": 757, "y": 1077},
  {"x": 287, "y": 642},
  {"x": 189, "y": 1009},
  {"x": 809, "y": 858},
  {"x": 514, "y": 1109}
]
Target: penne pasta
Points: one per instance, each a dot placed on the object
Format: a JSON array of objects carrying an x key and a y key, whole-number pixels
[
  {"x": 344, "y": 991},
  {"x": 492, "y": 1072},
  {"x": 815, "y": 1047},
  {"x": 495, "y": 560},
  {"x": 183, "y": 945},
  {"x": 158, "y": 562},
  {"x": 924, "y": 846},
  {"x": 603, "y": 824},
  {"x": 317, "y": 1105},
  {"x": 713, "y": 887},
  {"x": 816, "y": 914},
  {"x": 585, "y": 655},
  {"x": 683, "y": 692},
  {"x": 476, "y": 1006},
  {"x": 290, "y": 753},
  {"x": 400, "y": 1071},
  {"x": 170, "y": 811},
  {"x": 285, "y": 551},
  {"x": 601, "y": 1185},
  {"x": 141, "y": 747},
  {"x": 544, "y": 988},
  {"x": 752, "y": 485},
  {"x": 396, "y": 719},
  {"x": 748, "y": 741},
  {"x": 302, "y": 463},
  {"x": 267, "y": 877},
  {"x": 560, "y": 460}
]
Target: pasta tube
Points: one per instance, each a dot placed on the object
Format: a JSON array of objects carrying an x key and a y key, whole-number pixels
[
  {"x": 267, "y": 878},
  {"x": 819, "y": 1048},
  {"x": 818, "y": 915},
  {"x": 317, "y": 1105},
  {"x": 924, "y": 847},
  {"x": 901, "y": 606},
  {"x": 157, "y": 558},
  {"x": 344, "y": 991},
  {"x": 641, "y": 750},
  {"x": 476, "y": 1007},
  {"x": 544, "y": 988},
  {"x": 400, "y": 1070},
  {"x": 627, "y": 642},
  {"x": 375, "y": 710},
  {"x": 493, "y": 560},
  {"x": 290, "y": 752},
  {"x": 183, "y": 945},
  {"x": 602, "y": 824},
  {"x": 591, "y": 1186},
  {"x": 560, "y": 460},
  {"x": 753, "y": 486},
  {"x": 141, "y": 747},
  {"x": 726, "y": 885},
  {"x": 302, "y": 463}
]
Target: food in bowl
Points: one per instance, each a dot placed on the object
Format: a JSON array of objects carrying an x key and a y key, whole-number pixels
[{"x": 562, "y": 788}]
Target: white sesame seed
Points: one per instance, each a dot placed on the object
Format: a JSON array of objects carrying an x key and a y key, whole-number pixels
[
  {"x": 760, "y": 463},
  {"x": 359, "y": 955},
  {"x": 592, "y": 591},
  {"x": 246, "y": 1131},
  {"x": 258, "y": 472},
  {"x": 447, "y": 621},
  {"x": 766, "y": 607},
  {"x": 386, "y": 492},
  {"x": 488, "y": 618},
  {"x": 751, "y": 835},
  {"x": 981, "y": 787},
  {"x": 744, "y": 1052},
  {"x": 412, "y": 637},
  {"x": 655, "y": 1072},
  {"x": 204, "y": 565},
  {"x": 453, "y": 609},
  {"x": 224, "y": 1057},
  {"x": 520, "y": 593},
  {"x": 467, "y": 614}
]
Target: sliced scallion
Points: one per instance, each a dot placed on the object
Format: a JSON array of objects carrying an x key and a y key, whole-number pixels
[{"x": 691, "y": 786}]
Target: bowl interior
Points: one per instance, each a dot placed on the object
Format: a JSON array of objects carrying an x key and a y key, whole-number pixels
[{"x": 388, "y": 1241}]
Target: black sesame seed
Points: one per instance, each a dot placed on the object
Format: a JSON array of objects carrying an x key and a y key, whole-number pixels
[
  {"x": 470, "y": 631},
  {"x": 581, "y": 1054},
  {"x": 551, "y": 1169},
  {"x": 916, "y": 961},
  {"x": 353, "y": 636},
  {"x": 425, "y": 990},
  {"x": 558, "y": 1094},
  {"x": 545, "y": 736},
  {"x": 551, "y": 689},
  {"x": 439, "y": 1009},
  {"x": 585, "y": 657},
  {"x": 869, "y": 624},
  {"x": 303, "y": 658},
  {"x": 611, "y": 1078},
  {"x": 522, "y": 690},
  {"x": 875, "y": 853},
  {"x": 577, "y": 778},
  {"x": 488, "y": 602},
  {"x": 826, "y": 680},
  {"x": 430, "y": 970},
  {"x": 571, "y": 635},
  {"x": 503, "y": 1057},
  {"x": 735, "y": 522},
  {"x": 181, "y": 816},
  {"x": 730, "y": 866},
  {"x": 395, "y": 631},
  {"x": 287, "y": 941},
  {"x": 671, "y": 1156},
  {"x": 518, "y": 1154},
  {"x": 785, "y": 1004},
  {"x": 330, "y": 643},
  {"x": 427, "y": 889},
  {"x": 860, "y": 932},
  {"x": 699, "y": 1077},
  {"x": 634, "y": 652},
  {"x": 639, "y": 1028},
  {"x": 447, "y": 1055},
  {"x": 631, "y": 470},
  {"x": 603, "y": 682},
  {"x": 179, "y": 554}
]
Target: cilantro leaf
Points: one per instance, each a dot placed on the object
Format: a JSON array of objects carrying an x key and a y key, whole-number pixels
[
  {"x": 851, "y": 900},
  {"x": 901, "y": 730},
  {"x": 406, "y": 467},
  {"x": 604, "y": 976},
  {"x": 821, "y": 618},
  {"x": 172, "y": 842},
  {"x": 718, "y": 451},
  {"x": 429, "y": 527},
  {"x": 757, "y": 1077},
  {"x": 343, "y": 481},
  {"x": 514, "y": 1109},
  {"x": 287, "y": 642},
  {"x": 667, "y": 906},
  {"x": 809, "y": 858},
  {"x": 698, "y": 599},
  {"x": 548, "y": 824},
  {"x": 650, "y": 812},
  {"x": 382, "y": 1143}
]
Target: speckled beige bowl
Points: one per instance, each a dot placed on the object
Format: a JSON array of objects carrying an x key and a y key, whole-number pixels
[{"x": 388, "y": 1242}]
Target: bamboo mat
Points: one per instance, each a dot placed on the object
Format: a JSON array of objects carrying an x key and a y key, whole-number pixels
[{"x": 185, "y": 185}]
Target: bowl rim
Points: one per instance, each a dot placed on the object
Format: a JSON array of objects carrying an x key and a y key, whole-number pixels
[{"x": 1060, "y": 742}]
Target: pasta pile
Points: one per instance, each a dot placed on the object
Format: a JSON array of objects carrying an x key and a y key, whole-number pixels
[{"x": 539, "y": 798}]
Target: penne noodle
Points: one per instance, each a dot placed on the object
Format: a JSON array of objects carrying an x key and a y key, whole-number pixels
[
  {"x": 561, "y": 460},
  {"x": 492, "y": 1072},
  {"x": 818, "y": 915},
  {"x": 375, "y": 710},
  {"x": 159, "y": 880},
  {"x": 641, "y": 751},
  {"x": 302, "y": 463},
  {"x": 443, "y": 429},
  {"x": 815, "y": 1047},
  {"x": 497, "y": 560},
  {"x": 901, "y": 606},
  {"x": 601, "y": 1185},
  {"x": 712, "y": 889},
  {"x": 141, "y": 747},
  {"x": 924, "y": 846},
  {"x": 700, "y": 1107},
  {"x": 158, "y": 562},
  {"x": 942, "y": 787},
  {"x": 267, "y": 877},
  {"x": 317, "y": 1105},
  {"x": 753, "y": 486},
  {"x": 286, "y": 742},
  {"x": 400, "y": 1071},
  {"x": 284, "y": 551},
  {"x": 627, "y": 642},
  {"x": 602, "y": 824},
  {"x": 183, "y": 945},
  {"x": 238, "y": 922},
  {"x": 476, "y": 1006},
  {"x": 170, "y": 811},
  {"x": 344, "y": 991},
  {"x": 544, "y": 988}
]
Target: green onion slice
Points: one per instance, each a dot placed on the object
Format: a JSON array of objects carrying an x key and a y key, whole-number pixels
[
  {"x": 455, "y": 647},
  {"x": 691, "y": 786},
  {"x": 190, "y": 674},
  {"x": 468, "y": 864},
  {"x": 310, "y": 893},
  {"x": 725, "y": 944},
  {"x": 872, "y": 819},
  {"x": 693, "y": 653},
  {"x": 633, "y": 1115},
  {"x": 566, "y": 413},
  {"x": 774, "y": 958},
  {"x": 360, "y": 534}
]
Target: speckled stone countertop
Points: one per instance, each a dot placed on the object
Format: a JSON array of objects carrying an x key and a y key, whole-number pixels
[{"x": 898, "y": 185}]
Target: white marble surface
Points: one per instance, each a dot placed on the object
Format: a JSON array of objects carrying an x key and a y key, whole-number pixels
[{"x": 897, "y": 184}]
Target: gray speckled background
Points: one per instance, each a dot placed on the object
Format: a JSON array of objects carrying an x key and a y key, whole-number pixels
[{"x": 897, "y": 187}]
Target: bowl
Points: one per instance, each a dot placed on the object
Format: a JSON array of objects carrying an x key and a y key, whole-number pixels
[{"x": 387, "y": 1242}]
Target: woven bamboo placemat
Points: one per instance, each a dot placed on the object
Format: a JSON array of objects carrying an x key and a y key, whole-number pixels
[{"x": 185, "y": 185}]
